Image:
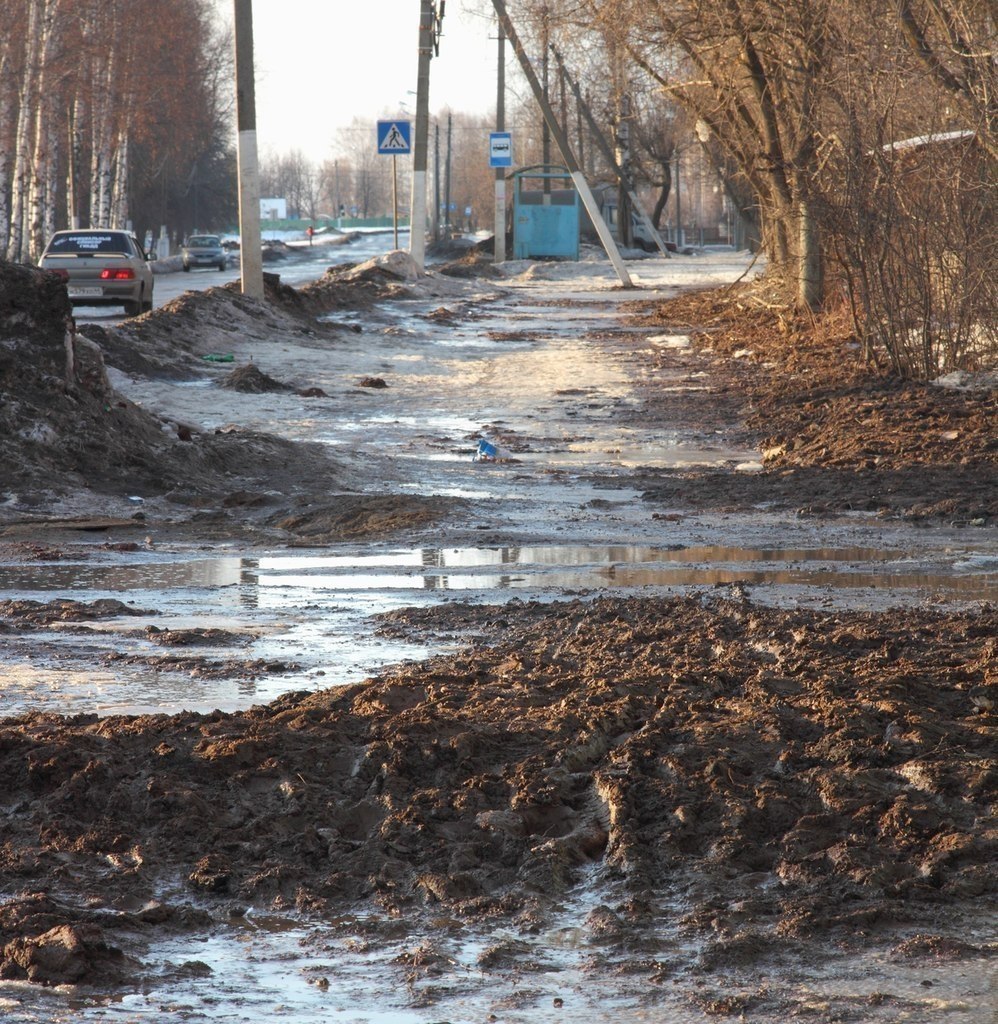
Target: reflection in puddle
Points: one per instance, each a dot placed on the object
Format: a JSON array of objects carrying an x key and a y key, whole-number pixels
[
  {"x": 312, "y": 612},
  {"x": 347, "y": 969},
  {"x": 546, "y": 567}
]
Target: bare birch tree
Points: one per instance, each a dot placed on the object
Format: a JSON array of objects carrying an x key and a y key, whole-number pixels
[
  {"x": 21, "y": 176},
  {"x": 43, "y": 176},
  {"x": 8, "y": 119},
  {"x": 149, "y": 96}
]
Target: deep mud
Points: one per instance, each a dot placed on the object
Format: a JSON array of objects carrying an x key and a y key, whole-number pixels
[
  {"x": 790, "y": 776},
  {"x": 735, "y": 789}
]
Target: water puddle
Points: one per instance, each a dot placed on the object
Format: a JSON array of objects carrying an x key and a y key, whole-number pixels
[
  {"x": 277, "y": 582},
  {"x": 357, "y": 970},
  {"x": 311, "y": 614},
  {"x": 652, "y": 455}
]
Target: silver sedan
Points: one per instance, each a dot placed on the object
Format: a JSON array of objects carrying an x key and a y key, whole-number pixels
[{"x": 101, "y": 267}]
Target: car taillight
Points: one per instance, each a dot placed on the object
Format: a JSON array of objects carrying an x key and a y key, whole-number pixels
[{"x": 121, "y": 274}]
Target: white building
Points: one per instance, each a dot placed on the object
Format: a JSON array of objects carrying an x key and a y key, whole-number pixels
[{"x": 273, "y": 209}]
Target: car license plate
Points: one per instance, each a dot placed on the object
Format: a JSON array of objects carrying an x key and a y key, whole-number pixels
[{"x": 84, "y": 293}]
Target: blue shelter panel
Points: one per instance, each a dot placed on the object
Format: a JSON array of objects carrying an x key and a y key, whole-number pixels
[{"x": 545, "y": 213}]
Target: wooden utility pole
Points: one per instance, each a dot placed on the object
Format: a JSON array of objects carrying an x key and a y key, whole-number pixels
[
  {"x": 250, "y": 248},
  {"x": 545, "y": 129},
  {"x": 499, "y": 242},
  {"x": 447, "y": 224},
  {"x": 578, "y": 178},
  {"x": 436, "y": 182},
  {"x": 582, "y": 108}
]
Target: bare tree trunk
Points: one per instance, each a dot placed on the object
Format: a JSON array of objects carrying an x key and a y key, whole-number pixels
[
  {"x": 119, "y": 192},
  {"x": 20, "y": 181},
  {"x": 102, "y": 152},
  {"x": 51, "y": 184},
  {"x": 810, "y": 291},
  {"x": 43, "y": 163},
  {"x": 6, "y": 119},
  {"x": 663, "y": 196},
  {"x": 75, "y": 118}
]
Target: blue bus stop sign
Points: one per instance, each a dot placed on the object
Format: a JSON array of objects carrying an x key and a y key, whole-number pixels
[{"x": 500, "y": 149}]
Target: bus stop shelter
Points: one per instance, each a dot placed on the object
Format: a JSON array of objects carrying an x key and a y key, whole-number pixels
[{"x": 545, "y": 213}]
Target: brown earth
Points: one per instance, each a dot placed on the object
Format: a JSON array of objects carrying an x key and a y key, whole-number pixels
[
  {"x": 837, "y": 432},
  {"x": 67, "y": 433},
  {"x": 686, "y": 747},
  {"x": 792, "y": 778}
]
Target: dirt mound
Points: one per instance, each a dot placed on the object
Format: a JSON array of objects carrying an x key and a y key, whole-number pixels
[
  {"x": 174, "y": 341},
  {"x": 464, "y": 257},
  {"x": 471, "y": 265},
  {"x": 66, "y": 430},
  {"x": 799, "y": 770},
  {"x": 65, "y": 610},
  {"x": 355, "y": 285},
  {"x": 33, "y": 305},
  {"x": 250, "y": 379},
  {"x": 348, "y": 516},
  {"x": 61, "y": 421}
]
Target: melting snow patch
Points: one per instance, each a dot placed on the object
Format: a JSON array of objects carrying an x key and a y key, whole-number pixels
[
  {"x": 963, "y": 380},
  {"x": 670, "y": 340}
]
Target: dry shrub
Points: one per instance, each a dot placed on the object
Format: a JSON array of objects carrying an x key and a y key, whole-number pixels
[{"x": 916, "y": 235}]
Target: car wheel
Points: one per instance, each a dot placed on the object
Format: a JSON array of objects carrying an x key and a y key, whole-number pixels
[
  {"x": 147, "y": 305},
  {"x": 222, "y": 264},
  {"x": 187, "y": 268},
  {"x": 133, "y": 308}
]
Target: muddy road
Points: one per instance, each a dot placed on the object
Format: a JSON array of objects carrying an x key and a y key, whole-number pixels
[{"x": 670, "y": 719}]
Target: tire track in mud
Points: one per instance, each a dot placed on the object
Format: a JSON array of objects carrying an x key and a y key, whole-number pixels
[{"x": 794, "y": 777}]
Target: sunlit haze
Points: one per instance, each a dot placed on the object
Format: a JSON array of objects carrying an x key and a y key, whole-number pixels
[{"x": 321, "y": 63}]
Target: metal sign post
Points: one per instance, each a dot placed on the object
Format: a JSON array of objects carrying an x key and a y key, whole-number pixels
[
  {"x": 499, "y": 238},
  {"x": 395, "y": 201},
  {"x": 500, "y": 156},
  {"x": 394, "y": 137}
]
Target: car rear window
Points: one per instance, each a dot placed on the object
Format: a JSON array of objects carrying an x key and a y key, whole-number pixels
[
  {"x": 203, "y": 240},
  {"x": 85, "y": 244}
]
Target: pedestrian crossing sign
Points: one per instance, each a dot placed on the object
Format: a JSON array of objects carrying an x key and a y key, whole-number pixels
[{"x": 394, "y": 137}]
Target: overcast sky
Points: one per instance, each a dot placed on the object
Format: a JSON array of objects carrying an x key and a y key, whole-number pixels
[{"x": 320, "y": 63}]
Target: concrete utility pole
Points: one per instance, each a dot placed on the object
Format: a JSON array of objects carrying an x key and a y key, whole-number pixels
[
  {"x": 429, "y": 33},
  {"x": 578, "y": 178},
  {"x": 250, "y": 254},
  {"x": 499, "y": 242}
]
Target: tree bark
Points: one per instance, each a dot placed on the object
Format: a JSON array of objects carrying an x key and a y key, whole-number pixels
[
  {"x": 6, "y": 125},
  {"x": 21, "y": 180},
  {"x": 41, "y": 193},
  {"x": 810, "y": 292},
  {"x": 119, "y": 190}
]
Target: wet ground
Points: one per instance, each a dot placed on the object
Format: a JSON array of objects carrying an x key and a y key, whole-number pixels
[{"x": 618, "y": 867}]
